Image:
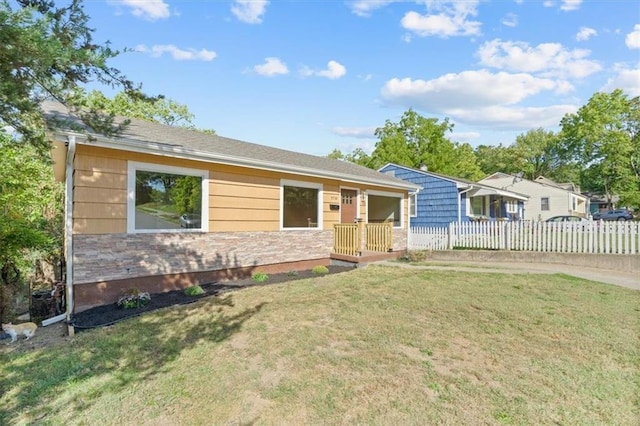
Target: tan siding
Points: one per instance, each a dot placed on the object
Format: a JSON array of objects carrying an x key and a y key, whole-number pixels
[
  {"x": 100, "y": 192},
  {"x": 102, "y": 164},
  {"x": 104, "y": 195},
  {"x": 102, "y": 226},
  {"x": 240, "y": 199},
  {"x": 99, "y": 211},
  {"x": 230, "y": 189},
  {"x": 100, "y": 180},
  {"x": 218, "y": 214},
  {"x": 244, "y": 203}
]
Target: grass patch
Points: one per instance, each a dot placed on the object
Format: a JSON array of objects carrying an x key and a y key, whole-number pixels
[{"x": 371, "y": 346}]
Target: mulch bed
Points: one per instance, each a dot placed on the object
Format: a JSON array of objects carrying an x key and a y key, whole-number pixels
[{"x": 105, "y": 315}]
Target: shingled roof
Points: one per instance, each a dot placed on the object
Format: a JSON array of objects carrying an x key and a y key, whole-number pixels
[{"x": 159, "y": 139}]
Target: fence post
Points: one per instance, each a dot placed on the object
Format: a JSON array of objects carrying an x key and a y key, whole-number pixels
[
  {"x": 450, "y": 232},
  {"x": 507, "y": 236}
]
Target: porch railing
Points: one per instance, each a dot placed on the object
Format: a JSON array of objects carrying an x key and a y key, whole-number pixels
[
  {"x": 379, "y": 236},
  {"x": 348, "y": 237}
]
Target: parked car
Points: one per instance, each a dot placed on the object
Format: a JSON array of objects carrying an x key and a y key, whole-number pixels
[
  {"x": 190, "y": 221},
  {"x": 619, "y": 214},
  {"x": 567, "y": 218}
]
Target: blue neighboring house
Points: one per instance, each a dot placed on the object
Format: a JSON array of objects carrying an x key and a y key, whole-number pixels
[{"x": 445, "y": 199}]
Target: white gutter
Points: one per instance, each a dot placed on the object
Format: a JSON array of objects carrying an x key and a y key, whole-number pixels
[
  {"x": 459, "y": 202},
  {"x": 68, "y": 232},
  {"x": 409, "y": 214}
]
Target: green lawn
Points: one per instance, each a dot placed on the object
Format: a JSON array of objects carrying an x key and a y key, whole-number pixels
[{"x": 379, "y": 345}]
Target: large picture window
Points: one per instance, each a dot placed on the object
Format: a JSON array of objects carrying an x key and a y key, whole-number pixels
[
  {"x": 384, "y": 207},
  {"x": 164, "y": 198},
  {"x": 301, "y": 205}
]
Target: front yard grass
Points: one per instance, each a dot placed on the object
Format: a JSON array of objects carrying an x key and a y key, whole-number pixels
[{"x": 380, "y": 345}]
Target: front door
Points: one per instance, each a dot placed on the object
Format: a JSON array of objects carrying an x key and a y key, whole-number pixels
[{"x": 348, "y": 206}]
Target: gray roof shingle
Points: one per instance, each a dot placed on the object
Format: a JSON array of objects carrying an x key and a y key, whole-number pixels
[{"x": 163, "y": 139}]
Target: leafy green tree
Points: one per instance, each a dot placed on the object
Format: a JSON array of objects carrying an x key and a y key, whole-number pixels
[
  {"x": 48, "y": 51},
  {"x": 415, "y": 141},
  {"x": 158, "y": 109},
  {"x": 539, "y": 152},
  {"x": 357, "y": 156},
  {"x": 30, "y": 217},
  {"x": 495, "y": 158},
  {"x": 603, "y": 137}
]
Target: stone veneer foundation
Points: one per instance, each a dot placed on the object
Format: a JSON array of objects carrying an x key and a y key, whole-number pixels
[{"x": 107, "y": 265}]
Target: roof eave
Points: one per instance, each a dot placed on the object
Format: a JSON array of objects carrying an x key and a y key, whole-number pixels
[{"x": 158, "y": 149}]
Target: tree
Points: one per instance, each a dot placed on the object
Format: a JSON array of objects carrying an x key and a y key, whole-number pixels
[
  {"x": 48, "y": 52},
  {"x": 30, "y": 217},
  {"x": 495, "y": 158},
  {"x": 158, "y": 109},
  {"x": 357, "y": 156},
  {"x": 415, "y": 141},
  {"x": 538, "y": 152},
  {"x": 603, "y": 137}
]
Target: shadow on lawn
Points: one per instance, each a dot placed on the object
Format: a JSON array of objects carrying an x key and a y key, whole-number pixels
[{"x": 121, "y": 355}]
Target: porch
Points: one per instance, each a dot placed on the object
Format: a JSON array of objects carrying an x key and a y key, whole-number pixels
[{"x": 363, "y": 242}]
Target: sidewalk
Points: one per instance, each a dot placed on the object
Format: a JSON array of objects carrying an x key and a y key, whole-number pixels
[{"x": 622, "y": 279}]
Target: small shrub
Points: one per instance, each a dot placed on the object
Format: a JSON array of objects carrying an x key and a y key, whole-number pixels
[
  {"x": 133, "y": 299},
  {"x": 292, "y": 273},
  {"x": 260, "y": 277},
  {"x": 320, "y": 270},
  {"x": 194, "y": 290}
]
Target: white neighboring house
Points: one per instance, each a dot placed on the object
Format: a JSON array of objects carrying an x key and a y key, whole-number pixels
[{"x": 546, "y": 197}]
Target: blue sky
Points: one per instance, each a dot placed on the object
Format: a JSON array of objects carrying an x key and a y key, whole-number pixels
[{"x": 315, "y": 75}]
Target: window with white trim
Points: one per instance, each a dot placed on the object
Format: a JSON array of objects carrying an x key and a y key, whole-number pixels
[
  {"x": 166, "y": 198},
  {"x": 384, "y": 207},
  {"x": 544, "y": 203},
  {"x": 512, "y": 206},
  {"x": 478, "y": 206},
  {"x": 413, "y": 205},
  {"x": 300, "y": 205}
]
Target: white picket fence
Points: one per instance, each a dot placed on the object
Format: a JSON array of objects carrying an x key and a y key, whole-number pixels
[{"x": 592, "y": 237}]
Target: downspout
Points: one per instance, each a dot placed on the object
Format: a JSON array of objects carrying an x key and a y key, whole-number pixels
[
  {"x": 460, "y": 203},
  {"x": 68, "y": 232},
  {"x": 409, "y": 215}
]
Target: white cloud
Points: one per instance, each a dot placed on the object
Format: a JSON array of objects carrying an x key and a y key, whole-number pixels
[
  {"x": 548, "y": 3},
  {"x": 510, "y": 20},
  {"x": 249, "y": 11},
  {"x": 271, "y": 67},
  {"x": 471, "y": 89},
  {"x": 365, "y": 7},
  {"x": 514, "y": 118},
  {"x": 549, "y": 59},
  {"x": 633, "y": 38},
  {"x": 569, "y": 5},
  {"x": 334, "y": 71},
  {"x": 451, "y": 19},
  {"x": 464, "y": 136},
  {"x": 355, "y": 132},
  {"x": 481, "y": 98},
  {"x": 627, "y": 79},
  {"x": 177, "y": 53},
  {"x": 585, "y": 33},
  {"x": 150, "y": 10}
]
